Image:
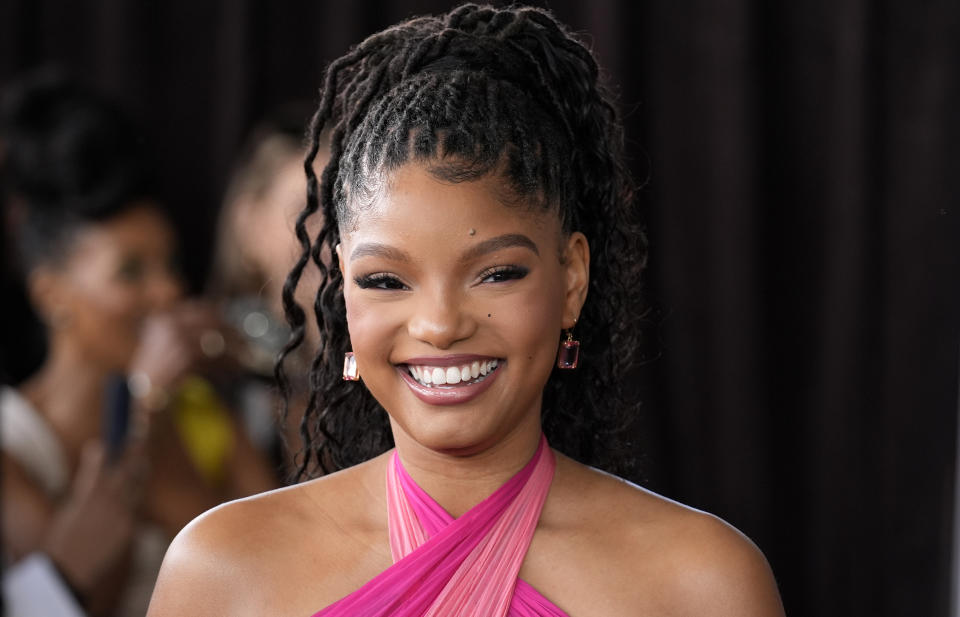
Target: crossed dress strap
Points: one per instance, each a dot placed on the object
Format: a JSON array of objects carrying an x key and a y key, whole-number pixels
[{"x": 466, "y": 566}]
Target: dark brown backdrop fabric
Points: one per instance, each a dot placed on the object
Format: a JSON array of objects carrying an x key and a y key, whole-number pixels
[{"x": 802, "y": 162}]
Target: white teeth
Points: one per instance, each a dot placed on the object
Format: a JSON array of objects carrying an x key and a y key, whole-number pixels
[{"x": 452, "y": 375}]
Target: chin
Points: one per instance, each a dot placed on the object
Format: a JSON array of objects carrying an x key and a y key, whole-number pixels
[
  {"x": 458, "y": 431},
  {"x": 472, "y": 419},
  {"x": 457, "y": 436}
]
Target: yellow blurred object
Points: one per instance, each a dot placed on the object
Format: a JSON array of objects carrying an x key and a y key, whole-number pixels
[{"x": 205, "y": 428}]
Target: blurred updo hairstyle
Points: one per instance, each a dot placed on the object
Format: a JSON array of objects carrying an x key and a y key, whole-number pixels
[{"x": 70, "y": 158}]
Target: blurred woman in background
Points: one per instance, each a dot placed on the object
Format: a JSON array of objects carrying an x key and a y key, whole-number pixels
[
  {"x": 95, "y": 479},
  {"x": 255, "y": 250}
]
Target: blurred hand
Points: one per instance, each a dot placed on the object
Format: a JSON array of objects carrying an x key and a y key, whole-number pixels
[
  {"x": 190, "y": 338},
  {"x": 89, "y": 536}
]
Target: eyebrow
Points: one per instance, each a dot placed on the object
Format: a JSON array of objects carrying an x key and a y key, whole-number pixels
[
  {"x": 497, "y": 243},
  {"x": 375, "y": 249},
  {"x": 491, "y": 245}
]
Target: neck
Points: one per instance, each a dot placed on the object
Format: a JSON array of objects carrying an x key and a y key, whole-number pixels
[
  {"x": 457, "y": 481},
  {"x": 68, "y": 391}
]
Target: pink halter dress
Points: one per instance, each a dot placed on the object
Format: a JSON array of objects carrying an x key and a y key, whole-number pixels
[{"x": 464, "y": 567}]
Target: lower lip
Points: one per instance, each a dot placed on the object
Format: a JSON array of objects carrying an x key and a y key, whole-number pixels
[{"x": 443, "y": 395}]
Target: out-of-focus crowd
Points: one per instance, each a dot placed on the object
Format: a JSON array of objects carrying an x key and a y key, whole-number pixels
[{"x": 148, "y": 407}]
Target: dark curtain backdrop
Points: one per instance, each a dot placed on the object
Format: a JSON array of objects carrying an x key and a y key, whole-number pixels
[{"x": 801, "y": 161}]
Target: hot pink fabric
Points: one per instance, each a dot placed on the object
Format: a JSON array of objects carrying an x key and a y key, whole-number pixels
[{"x": 465, "y": 567}]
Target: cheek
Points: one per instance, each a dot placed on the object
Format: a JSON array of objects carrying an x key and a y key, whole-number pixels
[
  {"x": 109, "y": 311},
  {"x": 532, "y": 322},
  {"x": 369, "y": 324},
  {"x": 114, "y": 300},
  {"x": 373, "y": 328}
]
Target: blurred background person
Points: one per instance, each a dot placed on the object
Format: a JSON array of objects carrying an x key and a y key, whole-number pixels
[
  {"x": 115, "y": 442},
  {"x": 255, "y": 250}
]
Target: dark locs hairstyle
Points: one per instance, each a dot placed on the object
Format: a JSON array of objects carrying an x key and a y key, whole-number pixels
[
  {"x": 69, "y": 158},
  {"x": 477, "y": 91}
]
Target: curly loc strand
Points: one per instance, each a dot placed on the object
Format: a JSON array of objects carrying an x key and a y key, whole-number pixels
[{"x": 293, "y": 312}]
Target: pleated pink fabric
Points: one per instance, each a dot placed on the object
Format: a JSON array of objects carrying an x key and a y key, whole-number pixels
[{"x": 465, "y": 567}]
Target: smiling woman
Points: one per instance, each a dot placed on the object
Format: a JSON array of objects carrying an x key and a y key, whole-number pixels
[
  {"x": 422, "y": 288},
  {"x": 477, "y": 217}
]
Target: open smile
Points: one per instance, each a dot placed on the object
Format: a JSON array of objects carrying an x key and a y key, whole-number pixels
[
  {"x": 434, "y": 376},
  {"x": 450, "y": 380}
]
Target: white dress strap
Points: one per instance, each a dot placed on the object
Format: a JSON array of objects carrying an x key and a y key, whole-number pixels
[{"x": 27, "y": 439}]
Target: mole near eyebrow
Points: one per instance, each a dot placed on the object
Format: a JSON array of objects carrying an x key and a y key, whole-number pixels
[
  {"x": 498, "y": 243},
  {"x": 374, "y": 249}
]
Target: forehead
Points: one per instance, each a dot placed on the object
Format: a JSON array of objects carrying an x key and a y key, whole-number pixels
[
  {"x": 414, "y": 206},
  {"x": 142, "y": 228}
]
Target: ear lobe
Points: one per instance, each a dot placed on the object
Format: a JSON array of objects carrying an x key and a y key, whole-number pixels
[
  {"x": 48, "y": 296},
  {"x": 577, "y": 265}
]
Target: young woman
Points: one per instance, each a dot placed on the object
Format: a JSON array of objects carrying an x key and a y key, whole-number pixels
[{"x": 477, "y": 219}]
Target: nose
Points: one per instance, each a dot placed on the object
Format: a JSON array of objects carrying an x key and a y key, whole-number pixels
[{"x": 441, "y": 320}]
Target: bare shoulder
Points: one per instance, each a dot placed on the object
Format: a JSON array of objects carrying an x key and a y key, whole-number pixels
[
  {"x": 657, "y": 556},
  {"x": 258, "y": 555},
  {"x": 708, "y": 567}
]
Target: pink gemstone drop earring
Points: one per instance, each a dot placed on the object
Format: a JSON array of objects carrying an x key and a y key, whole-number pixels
[
  {"x": 350, "y": 370},
  {"x": 569, "y": 354}
]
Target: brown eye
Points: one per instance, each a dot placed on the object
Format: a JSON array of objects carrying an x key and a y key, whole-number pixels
[{"x": 131, "y": 270}]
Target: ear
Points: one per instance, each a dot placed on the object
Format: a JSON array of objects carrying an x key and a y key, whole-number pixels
[
  {"x": 576, "y": 263},
  {"x": 49, "y": 295},
  {"x": 339, "y": 250}
]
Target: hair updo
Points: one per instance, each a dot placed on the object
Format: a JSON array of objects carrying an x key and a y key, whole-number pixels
[
  {"x": 477, "y": 91},
  {"x": 69, "y": 158}
]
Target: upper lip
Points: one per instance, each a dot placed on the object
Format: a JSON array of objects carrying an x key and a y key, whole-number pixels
[{"x": 454, "y": 360}]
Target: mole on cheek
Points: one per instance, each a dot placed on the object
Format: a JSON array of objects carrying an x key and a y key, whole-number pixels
[{"x": 488, "y": 314}]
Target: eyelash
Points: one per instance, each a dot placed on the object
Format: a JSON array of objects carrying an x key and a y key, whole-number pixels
[
  {"x": 389, "y": 282},
  {"x": 381, "y": 280},
  {"x": 507, "y": 273}
]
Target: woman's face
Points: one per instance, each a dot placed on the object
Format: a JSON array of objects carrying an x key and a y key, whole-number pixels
[
  {"x": 115, "y": 274},
  {"x": 455, "y": 304}
]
